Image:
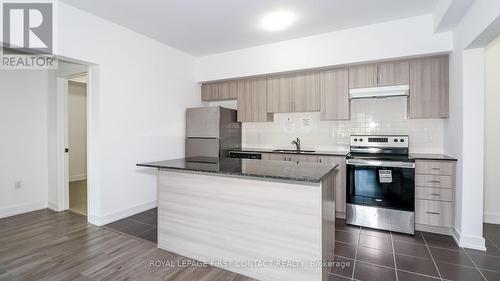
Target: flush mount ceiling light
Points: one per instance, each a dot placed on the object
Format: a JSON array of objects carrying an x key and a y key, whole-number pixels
[{"x": 277, "y": 21}]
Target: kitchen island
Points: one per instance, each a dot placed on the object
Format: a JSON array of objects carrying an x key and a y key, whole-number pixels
[{"x": 269, "y": 220}]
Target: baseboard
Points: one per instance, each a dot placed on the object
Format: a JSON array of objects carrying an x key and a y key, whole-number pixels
[
  {"x": 53, "y": 206},
  {"x": 434, "y": 229},
  {"x": 111, "y": 217},
  {"x": 78, "y": 177},
  {"x": 21, "y": 209},
  {"x": 340, "y": 215},
  {"x": 493, "y": 218},
  {"x": 469, "y": 241}
]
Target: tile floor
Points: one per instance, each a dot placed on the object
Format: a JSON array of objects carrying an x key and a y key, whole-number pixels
[
  {"x": 143, "y": 225},
  {"x": 379, "y": 255},
  {"x": 368, "y": 254}
]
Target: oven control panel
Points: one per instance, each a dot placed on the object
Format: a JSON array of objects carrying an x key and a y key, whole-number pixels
[{"x": 379, "y": 141}]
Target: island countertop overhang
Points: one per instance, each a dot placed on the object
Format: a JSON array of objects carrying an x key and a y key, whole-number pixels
[{"x": 293, "y": 171}]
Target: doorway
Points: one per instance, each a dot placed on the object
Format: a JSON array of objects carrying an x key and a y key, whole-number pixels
[{"x": 77, "y": 143}]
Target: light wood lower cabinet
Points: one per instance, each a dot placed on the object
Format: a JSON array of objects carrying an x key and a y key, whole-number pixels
[
  {"x": 430, "y": 193},
  {"x": 434, "y": 213},
  {"x": 340, "y": 179},
  {"x": 340, "y": 182},
  {"x": 434, "y": 181},
  {"x": 435, "y": 168},
  {"x": 434, "y": 195}
]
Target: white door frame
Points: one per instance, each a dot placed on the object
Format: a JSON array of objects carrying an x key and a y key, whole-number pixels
[{"x": 62, "y": 144}]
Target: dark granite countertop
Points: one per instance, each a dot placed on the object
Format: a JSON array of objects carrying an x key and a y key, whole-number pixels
[
  {"x": 316, "y": 152},
  {"x": 422, "y": 156},
  {"x": 264, "y": 169}
]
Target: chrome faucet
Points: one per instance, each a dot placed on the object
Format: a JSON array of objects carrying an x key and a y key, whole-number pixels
[{"x": 296, "y": 142}]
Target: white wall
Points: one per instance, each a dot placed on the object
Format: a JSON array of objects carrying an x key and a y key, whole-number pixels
[
  {"x": 77, "y": 130},
  {"x": 464, "y": 136},
  {"x": 139, "y": 89},
  {"x": 23, "y": 141},
  {"x": 492, "y": 134},
  {"x": 407, "y": 37},
  {"x": 368, "y": 116}
]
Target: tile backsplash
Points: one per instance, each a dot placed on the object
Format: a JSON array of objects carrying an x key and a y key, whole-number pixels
[{"x": 368, "y": 116}]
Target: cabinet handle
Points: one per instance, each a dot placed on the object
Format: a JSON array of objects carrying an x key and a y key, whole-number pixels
[
  {"x": 378, "y": 75},
  {"x": 433, "y": 213},
  {"x": 435, "y": 181},
  {"x": 436, "y": 169},
  {"x": 435, "y": 194}
]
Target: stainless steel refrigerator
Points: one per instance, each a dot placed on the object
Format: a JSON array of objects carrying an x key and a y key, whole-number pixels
[{"x": 211, "y": 131}]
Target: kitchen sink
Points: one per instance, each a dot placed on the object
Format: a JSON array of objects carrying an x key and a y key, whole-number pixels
[{"x": 293, "y": 151}]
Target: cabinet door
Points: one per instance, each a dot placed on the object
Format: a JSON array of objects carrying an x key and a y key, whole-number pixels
[
  {"x": 228, "y": 90},
  {"x": 340, "y": 181},
  {"x": 335, "y": 103},
  {"x": 363, "y": 76},
  {"x": 279, "y": 93},
  {"x": 429, "y": 87},
  {"x": 305, "y": 88},
  {"x": 273, "y": 156},
  {"x": 308, "y": 158},
  {"x": 244, "y": 104},
  {"x": 210, "y": 91},
  {"x": 434, "y": 213},
  {"x": 252, "y": 101},
  {"x": 393, "y": 73}
]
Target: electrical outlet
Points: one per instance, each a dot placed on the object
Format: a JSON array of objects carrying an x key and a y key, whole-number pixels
[{"x": 18, "y": 185}]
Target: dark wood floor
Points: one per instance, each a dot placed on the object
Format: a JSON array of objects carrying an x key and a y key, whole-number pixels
[{"x": 50, "y": 246}]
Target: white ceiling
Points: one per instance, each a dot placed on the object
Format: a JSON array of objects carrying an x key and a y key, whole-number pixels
[{"x": 202, "y": 27}]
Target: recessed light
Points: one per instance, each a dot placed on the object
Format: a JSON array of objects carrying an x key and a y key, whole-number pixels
[{"x": 277, "y": 20}]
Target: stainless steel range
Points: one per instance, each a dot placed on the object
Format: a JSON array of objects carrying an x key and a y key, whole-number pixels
[{"x": 381, "y": 183}]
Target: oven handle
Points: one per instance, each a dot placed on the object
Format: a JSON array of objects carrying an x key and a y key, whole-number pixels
[{"x": 376, "y": 163}]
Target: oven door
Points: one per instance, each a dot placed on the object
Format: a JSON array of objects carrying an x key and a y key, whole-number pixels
[{"x": 385, "y": 184}]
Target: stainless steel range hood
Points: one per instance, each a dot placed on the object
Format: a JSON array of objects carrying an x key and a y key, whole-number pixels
[{"x": 380, "y": 92}]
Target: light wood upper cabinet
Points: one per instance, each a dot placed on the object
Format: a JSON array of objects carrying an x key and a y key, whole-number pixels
[
  {"x": 334, "y": 92},
  {"x": 228, "y": 90},
  {"x": 393, "y": 73},
  {"x": 209, "y": 91},
  {"x": 279, "y": 94},
  {"x": 305, "y": 89},
  {"x": 216, "y": 91},
  {"x": 327, "y": 91},
  {"x": 252, "y": 101},
  {"x": 429, "y": 88},
  {"x": 363, "y": 76},
  {"x": 379, "y": 74}
]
